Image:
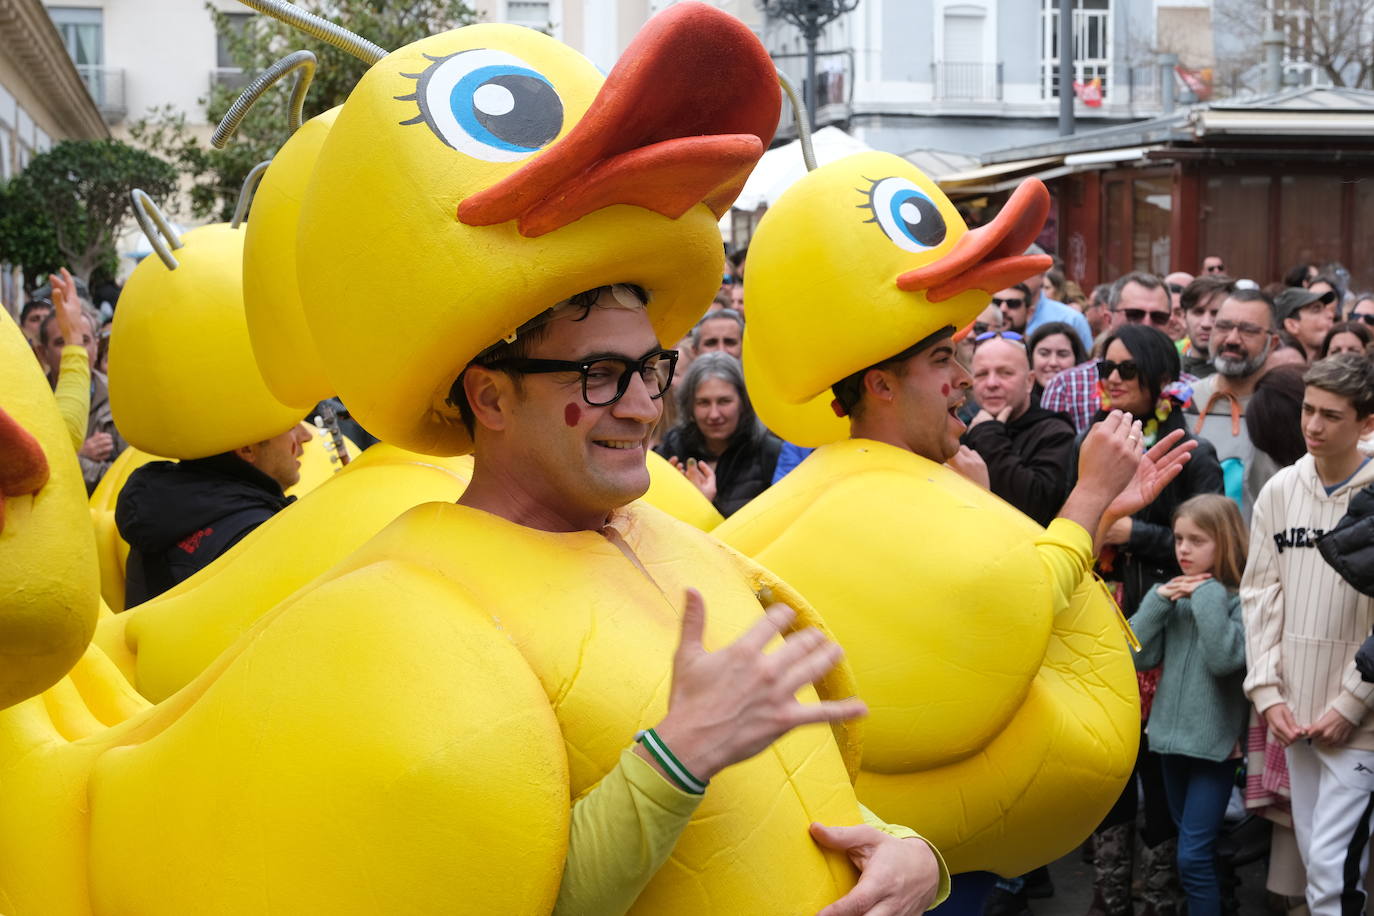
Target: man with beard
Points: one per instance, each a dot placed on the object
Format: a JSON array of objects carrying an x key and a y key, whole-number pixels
[{"x": 1240, "y": 341}]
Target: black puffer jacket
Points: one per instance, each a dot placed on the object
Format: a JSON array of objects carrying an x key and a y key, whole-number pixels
[
  {"x": 1147, "y": 558},
  {"x": 1349, "y": 547},
  {"x": 1026, "y": 458},
  {"x": 178, "y": 516},
  {"x": 743, "y": 472}
]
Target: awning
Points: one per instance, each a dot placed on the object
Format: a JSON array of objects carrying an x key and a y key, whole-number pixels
[
  {"x": 985, "y": 172},
  {"x": 1283, "y": 123}
]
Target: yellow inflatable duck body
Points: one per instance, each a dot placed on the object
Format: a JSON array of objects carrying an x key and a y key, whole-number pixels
[
  {"x": 296, "y": 775},
  {"x": 1004, "y": 708}
]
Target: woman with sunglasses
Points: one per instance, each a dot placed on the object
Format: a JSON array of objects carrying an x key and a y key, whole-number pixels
[
  {"x": 1139, "y": 373},
  {"x": 718, "y": 442}
]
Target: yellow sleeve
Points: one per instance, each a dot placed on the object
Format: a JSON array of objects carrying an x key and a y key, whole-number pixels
[
  {"x": 622, "y": 832},
  {"x": 74, "y": 393},
  {"x": 1066, "y": 550},
  {"x": 906, "y": 833}
]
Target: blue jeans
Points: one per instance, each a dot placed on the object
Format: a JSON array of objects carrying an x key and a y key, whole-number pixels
[{"x": 1198, "y": 791}]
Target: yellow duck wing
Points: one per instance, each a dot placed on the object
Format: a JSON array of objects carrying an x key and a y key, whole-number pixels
[
  {"x": 283, "y": 782},
  {"x": 1003, "y": 713}
]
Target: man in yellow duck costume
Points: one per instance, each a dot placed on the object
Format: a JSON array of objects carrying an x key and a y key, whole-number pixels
[
  {"x": 1003, "y": 695},
  {"x": 494, "y": 176}
]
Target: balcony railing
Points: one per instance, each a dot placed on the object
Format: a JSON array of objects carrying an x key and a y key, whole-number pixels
[
  {"x": 967, "y": 82},
  {"x": 106, "y": 85},
  {"x": 834, "y": 86}
]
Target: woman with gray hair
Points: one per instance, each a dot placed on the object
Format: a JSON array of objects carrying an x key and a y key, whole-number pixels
[{"x": 718, "y": 442}]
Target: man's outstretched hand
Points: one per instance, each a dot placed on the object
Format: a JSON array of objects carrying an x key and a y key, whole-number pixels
[
  {"x": 728, "y": 705},
  {"x": 1156, "y": 470},
  {"x": 898, "y": 877}
]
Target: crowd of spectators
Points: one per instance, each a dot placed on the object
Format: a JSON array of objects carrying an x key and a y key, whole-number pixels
[{"x": 1275, "y": 384}]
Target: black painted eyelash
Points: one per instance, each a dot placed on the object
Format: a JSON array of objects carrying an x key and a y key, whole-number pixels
[
  {"x": 418, "y": 96},
  {"x": 868, "y": 198}
]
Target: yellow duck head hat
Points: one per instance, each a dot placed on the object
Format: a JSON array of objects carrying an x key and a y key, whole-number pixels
[
  {"x": 857, "y": 261},
  {"x": 286, "y": 354},
  {"x": 49, "y": 583},
  {"x": 475, "y": 178},
  {"x": 183, "y": 380}
]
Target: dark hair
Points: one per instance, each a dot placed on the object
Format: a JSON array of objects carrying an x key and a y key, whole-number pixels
[
  {"x": 1023, "y": 288},
  {"x": 32, "y": 306},
  {"x": 849, "y": 390},
  {"x": 1274, "y": 414},
  {"x": 720, "y": 365},
  {"x": 1244, "y": 294},
  {"x": 1297, "y": 274},
  {"x": 1358, "y": 328},
  {"x": 1152, "y": 351},
  {"x": 524, "y": 339},
  {"x": 1056, "y": 278},
  {"x": 1139, "y": 278},
  {"x": 1347, "y": 375},
  {"x": 1051, "y": 328},
  {"x": 1203, "y": 289}
]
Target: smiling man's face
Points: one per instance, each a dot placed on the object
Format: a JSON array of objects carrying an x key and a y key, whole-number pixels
[{"x": 584, "y": 459}]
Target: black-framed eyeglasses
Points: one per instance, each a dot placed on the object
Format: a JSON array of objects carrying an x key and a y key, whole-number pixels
[
  {"x": 1015, "y": 303},
  {"x": 1224, "y": 327},
  {"x": 1127, "y": 369},
  {"x": 606, "y": 378},
  {"x": 1005, "y": 335},
  {"x": 1140, "y": 316}
]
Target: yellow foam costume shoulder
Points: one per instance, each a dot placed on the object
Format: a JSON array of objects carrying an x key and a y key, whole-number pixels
[
  {"x": 1004, "y": 714},
  {"x": 296, "y": 775}
]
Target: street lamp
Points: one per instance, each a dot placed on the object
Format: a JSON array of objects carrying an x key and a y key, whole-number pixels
[{"x": 811, "y": 17}]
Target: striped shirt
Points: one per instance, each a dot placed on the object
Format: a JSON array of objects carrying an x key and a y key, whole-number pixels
[{"x": 1303, "y": 622}]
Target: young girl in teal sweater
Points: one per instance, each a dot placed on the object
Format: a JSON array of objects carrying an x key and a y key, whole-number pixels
[{"x": 1192, "y": 625}]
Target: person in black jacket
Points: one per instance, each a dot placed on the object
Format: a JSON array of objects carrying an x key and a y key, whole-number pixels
[
  {"x": 1025, "y": 448},
  {"x": 1139, "y": 374},
  {"x": 719, "y": 442},
  {"x": 178, "y": 516}
]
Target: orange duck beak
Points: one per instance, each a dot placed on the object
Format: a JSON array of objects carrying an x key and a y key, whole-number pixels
[
  {"x": 23, "y": 466},
  {"x": 682, "y": 119},
  {"x": 990, "y": 257}
]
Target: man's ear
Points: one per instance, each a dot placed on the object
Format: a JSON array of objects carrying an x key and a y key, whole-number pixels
[
  {"x": 489, "y": 394},
  {"x": 1294, "y": 329},
  {"x": 878, "y": 383},
  {"x": 247, "y": 453}
]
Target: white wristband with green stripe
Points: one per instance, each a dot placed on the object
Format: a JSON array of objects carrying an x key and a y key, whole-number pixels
[{"x": 678, "y": 773}]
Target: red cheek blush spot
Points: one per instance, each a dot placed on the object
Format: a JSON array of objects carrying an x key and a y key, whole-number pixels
[
  {"x": 572, "y": 414},
  {"x": 944, "y": 389}
]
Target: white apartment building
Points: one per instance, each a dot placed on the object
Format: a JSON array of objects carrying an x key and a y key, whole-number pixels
[{"x": 974, "y": 75}]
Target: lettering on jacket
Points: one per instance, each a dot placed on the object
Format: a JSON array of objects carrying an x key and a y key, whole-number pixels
[
  {"x": 1297, "y": 537},
  {"x": 191, "y": 543}
]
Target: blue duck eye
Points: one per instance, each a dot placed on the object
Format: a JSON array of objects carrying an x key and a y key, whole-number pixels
[
  {"x": 488, "y": 104},
  {"x": 906, "y": 214}
]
